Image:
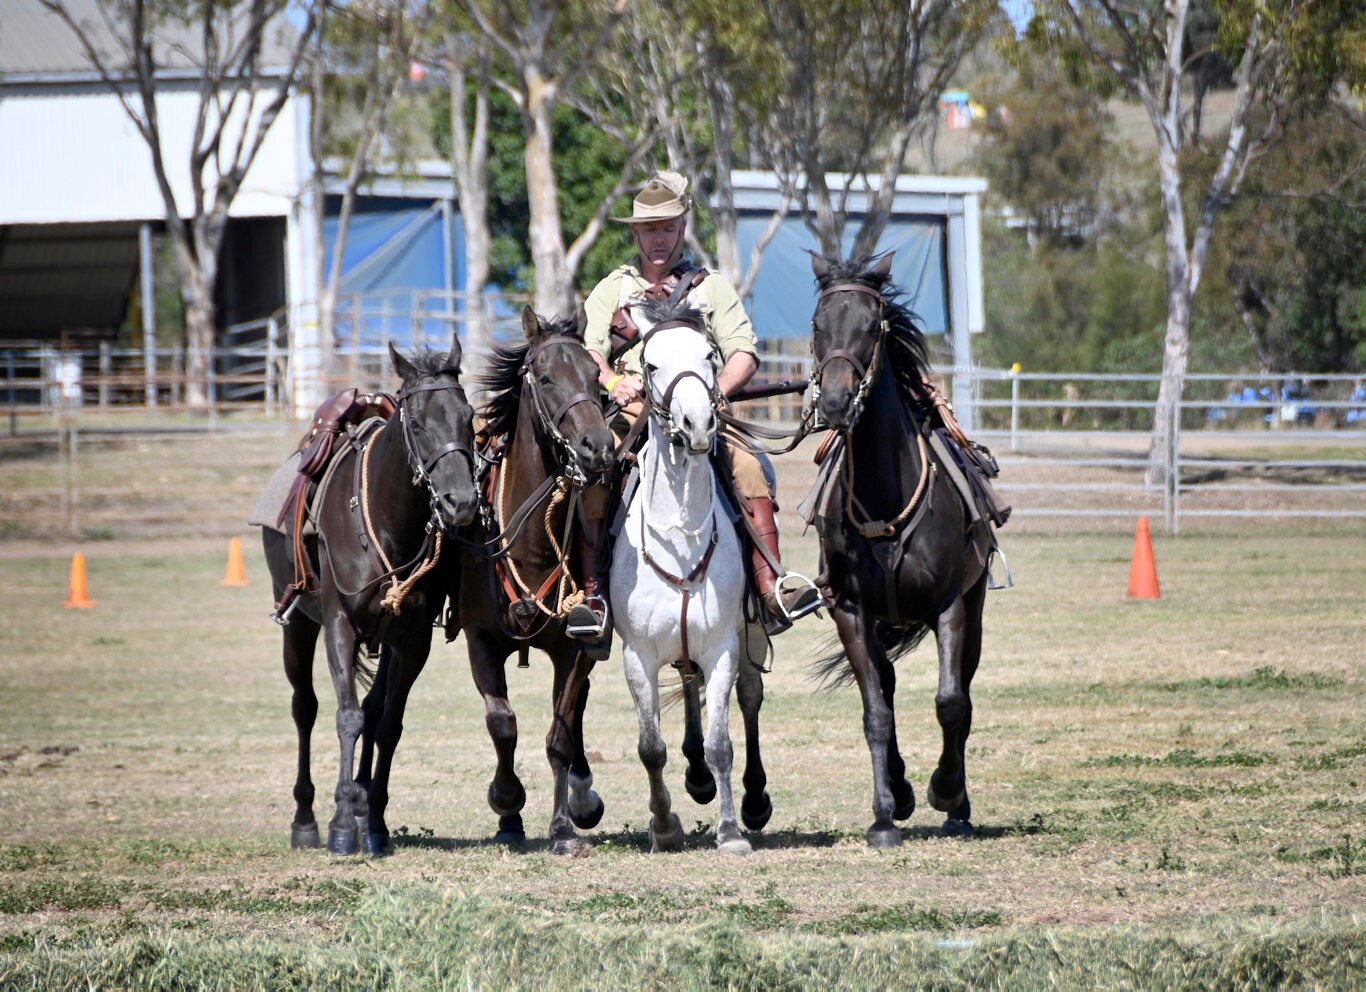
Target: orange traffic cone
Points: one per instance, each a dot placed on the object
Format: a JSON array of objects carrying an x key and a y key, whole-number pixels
[
  {"x": 79, "y": 597},
  {"x": 1143, "y": 571},
  {"x": 237, "y": 572}
]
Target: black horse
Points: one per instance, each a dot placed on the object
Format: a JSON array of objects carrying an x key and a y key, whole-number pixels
[
  {"x": 516, "y": 590},
  {"x": 387, "y": 512},
  {"x": 900, "y": 549}
]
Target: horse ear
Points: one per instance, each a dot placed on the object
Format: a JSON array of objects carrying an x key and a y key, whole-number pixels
[
  {"x": 820, "y": 265},
  {"x": 457, "y": 352},
  {"x": 883, "y": 268},
  {"x": 581, "y": 320},
  {"x": 531, "y": 324},
  {"x": 402, "y": 366}
]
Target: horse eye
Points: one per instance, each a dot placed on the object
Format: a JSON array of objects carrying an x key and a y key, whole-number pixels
[
  {"x": 651, "y": 367},
  {"x": 545, "y": 380}
]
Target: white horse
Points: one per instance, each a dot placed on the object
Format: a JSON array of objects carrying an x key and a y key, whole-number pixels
[{"x": 678, "y": 576}]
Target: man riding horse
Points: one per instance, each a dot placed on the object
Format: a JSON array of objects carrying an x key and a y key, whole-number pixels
[{"x": 660, "y": 270}]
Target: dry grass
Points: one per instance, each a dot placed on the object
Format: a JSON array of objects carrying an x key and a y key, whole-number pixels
[{"x": 1186, "y": 763}]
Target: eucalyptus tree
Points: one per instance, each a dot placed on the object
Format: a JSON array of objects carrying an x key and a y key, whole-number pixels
[
  {"x": 540, "y": 51},
  {"x": 1285, "y": 54},
  {"x": 857, "y": 81},
  {"x": 243, "y": 80},
  {"x": 366, "y": 50}
]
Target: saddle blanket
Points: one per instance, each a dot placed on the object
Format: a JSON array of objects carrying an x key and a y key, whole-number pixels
[{"x": 271, "y": 502}]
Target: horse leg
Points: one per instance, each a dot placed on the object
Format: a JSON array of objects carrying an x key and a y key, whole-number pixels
[
  {"x": 399, "y": 668},
  {"x": 300, "y": 639},
  {"x": 372, "y": 708},
  {"x": 903, "y": 794},
  {"x": 879, "y": 722},
  {"x": 666, "y": 833},
  {"x": 720, "y": 753},
  {"x": 756, "y": 808},
  {"x": 959, "y": 633},
  {"x": 571, "y": 671},
  {"x": 342, "y": 836},
  {"x": 506, "y": 794},
  {"x": 585, "y": 805},
  {"x": 697, "y": 779}
]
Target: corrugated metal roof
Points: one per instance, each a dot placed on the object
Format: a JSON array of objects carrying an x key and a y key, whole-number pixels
[
  {"x": 36, "y": 42},
  {"x": 60, "y": 277}
]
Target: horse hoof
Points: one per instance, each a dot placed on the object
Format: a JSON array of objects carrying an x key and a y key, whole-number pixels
[
  {"x": 702, "y": 786},
  {"x": 301, "y": 837},
  {"x": 756, "y": 810},
  {"x": 343, "y": 840},
  {"x": 954, "y": 827},
  {"x": 590, "y": 819},
  {"x": 904, "y": 798},
  {"x": 736, "y": 848},
  {"x": 668, "y": 840},
  {"x": 884, "y": 837},
  {"x": 378, "y": 845},
  {"x": 362, "y": 823},
  {"x": 946, "y": 804},
  {"x": 510, "y": 833},
  {"x": 570, "y": 847}
]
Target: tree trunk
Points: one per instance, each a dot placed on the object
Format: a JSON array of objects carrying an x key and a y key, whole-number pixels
[
  {"x": 1177, "y": 345},
  {"x": 554, "y": 294}
]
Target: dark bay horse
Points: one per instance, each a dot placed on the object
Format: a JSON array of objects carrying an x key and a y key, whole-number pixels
[
  {"x": 901, "y": 554},
  {"x": 516, "y": 589},
  {"x": 378, "y": 526}
]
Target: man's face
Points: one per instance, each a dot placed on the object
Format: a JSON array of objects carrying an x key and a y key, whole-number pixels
[{"x": 657, "y": 239}]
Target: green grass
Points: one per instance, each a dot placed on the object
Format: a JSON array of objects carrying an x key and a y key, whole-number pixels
[{"x": 1168, "y": 794}]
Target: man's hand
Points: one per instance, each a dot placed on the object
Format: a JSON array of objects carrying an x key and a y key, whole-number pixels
[{"x": 626, "y": 389}]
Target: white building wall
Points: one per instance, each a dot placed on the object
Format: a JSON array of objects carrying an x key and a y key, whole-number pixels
[{"x": 73, "y": 156}]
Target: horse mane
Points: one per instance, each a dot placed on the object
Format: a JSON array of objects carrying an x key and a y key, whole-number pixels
[
  {"x": 907, "y": 350},
  {"x": 501, "y": 381},
  {"x": 679, "y": 311},
  {"x": 431, "y": 362}
]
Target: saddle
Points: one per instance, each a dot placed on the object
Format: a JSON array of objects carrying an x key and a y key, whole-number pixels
[{"x": 317, "y": 449}]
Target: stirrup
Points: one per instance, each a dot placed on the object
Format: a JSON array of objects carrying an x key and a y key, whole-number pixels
[
  {"x": 284, "y": 610},
  {"x": 587, "y": 620},
  {"x": 780, "y": 620},
  {"x": 991, "y": 579}
]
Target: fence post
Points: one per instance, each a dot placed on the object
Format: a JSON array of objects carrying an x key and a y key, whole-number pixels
[
  {"x": 13, "y": 394},
  {"x": 1174, "y": 469},
  {"x": 1014, "y": 410},
  {"x": 106, "y": 369},
  {"x": 212, "y": 384},
  {"x": 272, "y": 355}
]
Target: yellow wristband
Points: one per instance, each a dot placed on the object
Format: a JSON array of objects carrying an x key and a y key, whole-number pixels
[{"x": 612, "y": 382}]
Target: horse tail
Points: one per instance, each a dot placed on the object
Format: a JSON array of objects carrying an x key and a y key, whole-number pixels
[
  {"x": 364, "y": 674},
  {"x": 831, "y": 669}
]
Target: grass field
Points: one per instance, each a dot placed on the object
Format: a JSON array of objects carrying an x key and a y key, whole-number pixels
[{"x": 1168, "y": 793}]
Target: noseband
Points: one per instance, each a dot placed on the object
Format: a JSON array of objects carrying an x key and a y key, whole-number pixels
[
  {"x": 550, "y": 422},
  {"x": 661, "y": 410},
  {"x": 866, "y": 373},
  {"x": 422, "y": 467}
]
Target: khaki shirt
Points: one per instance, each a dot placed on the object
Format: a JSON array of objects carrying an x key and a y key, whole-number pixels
[{"x": 727, "y": 324}]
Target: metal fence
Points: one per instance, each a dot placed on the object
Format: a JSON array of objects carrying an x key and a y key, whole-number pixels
[{"x": 1070, "y": 446}]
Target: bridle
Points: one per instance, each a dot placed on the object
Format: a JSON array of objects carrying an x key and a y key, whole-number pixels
[
  {"x": 422, "y": 466},
  {"x": 866, "y": 373},
  {"x": 550, "y": 422},
  {"x": 660, "y": 409}
]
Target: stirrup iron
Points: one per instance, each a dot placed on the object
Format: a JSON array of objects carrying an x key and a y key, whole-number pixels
[
  {"x": 583, "y": 622},
  {"x": 991, "y": 579}
]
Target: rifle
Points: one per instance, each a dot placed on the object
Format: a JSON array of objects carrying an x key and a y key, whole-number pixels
[{"x": 763, "y": 390}]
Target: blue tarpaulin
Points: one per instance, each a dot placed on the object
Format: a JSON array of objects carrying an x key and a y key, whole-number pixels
[{"x": 784, "y": 294}]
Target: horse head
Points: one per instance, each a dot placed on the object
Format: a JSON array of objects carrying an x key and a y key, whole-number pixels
[
  {"x": 561, "y": 381},
  {"x": 848, "y": 330},
  {"x": 680, "y": 373},
  {"x": 437, "y": 421}
]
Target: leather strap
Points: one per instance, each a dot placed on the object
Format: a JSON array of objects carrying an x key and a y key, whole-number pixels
[{"x": 682, "y": 583}]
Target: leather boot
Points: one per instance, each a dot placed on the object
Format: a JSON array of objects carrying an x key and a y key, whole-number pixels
[
  {"x": 782, "y": 605},
  {"x": 588, "y": 621}
]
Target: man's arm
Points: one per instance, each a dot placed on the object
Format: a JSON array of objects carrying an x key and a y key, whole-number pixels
[{"x": 737, "y": 371}]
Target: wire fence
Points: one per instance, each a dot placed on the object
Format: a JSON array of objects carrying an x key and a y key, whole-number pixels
[{"x": 85, "y": 454}]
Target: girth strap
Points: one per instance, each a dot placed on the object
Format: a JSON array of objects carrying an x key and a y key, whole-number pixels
[{"x": 682, "y": 583}]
